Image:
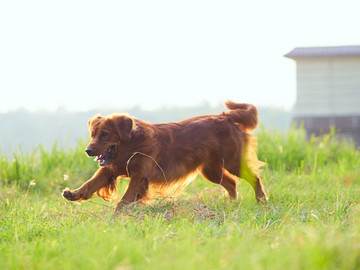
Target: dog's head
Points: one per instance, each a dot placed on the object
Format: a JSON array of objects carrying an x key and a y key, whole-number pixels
[{"x": 107, "y": 134}]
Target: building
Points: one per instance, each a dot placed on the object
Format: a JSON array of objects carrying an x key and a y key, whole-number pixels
[{"x": 328, "y": 89}]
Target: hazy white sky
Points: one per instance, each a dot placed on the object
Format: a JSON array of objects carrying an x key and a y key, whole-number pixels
[{"x": 88, "y": 54}]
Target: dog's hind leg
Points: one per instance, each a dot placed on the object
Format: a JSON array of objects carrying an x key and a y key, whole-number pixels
[
  {"x": 217, "y": 174},
  {"x": 254, "y": 180},
  {"x": 260, "y": 194},
  {"x": 250, "y": 169}
]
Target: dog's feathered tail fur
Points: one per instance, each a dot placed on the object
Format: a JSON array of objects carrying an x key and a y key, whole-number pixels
[{"x": 108, "y": 192}]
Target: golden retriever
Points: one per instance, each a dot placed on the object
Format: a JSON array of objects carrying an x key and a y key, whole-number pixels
[{"x": 161, "y": 156}]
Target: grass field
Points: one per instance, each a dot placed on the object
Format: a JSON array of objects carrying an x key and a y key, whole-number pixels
[{"x": 312, "y": 219}]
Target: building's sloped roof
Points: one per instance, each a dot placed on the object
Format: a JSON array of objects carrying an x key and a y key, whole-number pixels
[{"x": 320, "y": 52}]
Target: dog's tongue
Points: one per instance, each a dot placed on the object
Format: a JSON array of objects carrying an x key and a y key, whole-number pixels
[{"x": 100, "y": 158}]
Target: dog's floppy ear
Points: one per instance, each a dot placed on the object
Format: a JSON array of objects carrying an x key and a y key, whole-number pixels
[
  {"x": 94, "y": 120},
  {"x": 123, "y": 125}
]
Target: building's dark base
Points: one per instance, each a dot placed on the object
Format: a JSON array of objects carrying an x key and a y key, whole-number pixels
[{"x": 347, "y": 127}]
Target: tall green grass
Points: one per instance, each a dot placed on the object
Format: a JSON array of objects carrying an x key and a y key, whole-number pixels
[
  {"x": 292, "y": 151},
  {"x": 47, "y": 167},
  {"x": 312, "y": 219}
]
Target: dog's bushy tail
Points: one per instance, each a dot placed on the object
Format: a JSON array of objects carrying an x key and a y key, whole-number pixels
[{"x": 243, "y": 114}]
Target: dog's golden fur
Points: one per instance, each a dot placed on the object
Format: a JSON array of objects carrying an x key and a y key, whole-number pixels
[{"x": 161, "y": 156}]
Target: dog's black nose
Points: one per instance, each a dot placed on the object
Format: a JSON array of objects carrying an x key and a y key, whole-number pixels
[{"x": 89, "y": 151}]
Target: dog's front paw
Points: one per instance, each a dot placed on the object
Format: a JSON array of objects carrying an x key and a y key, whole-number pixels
[{"x": 69, "y": 195}]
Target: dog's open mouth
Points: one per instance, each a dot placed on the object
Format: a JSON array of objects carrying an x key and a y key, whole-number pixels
[{"x": 105, "y": 157}]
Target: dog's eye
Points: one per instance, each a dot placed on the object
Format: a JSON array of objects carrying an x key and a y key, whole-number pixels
[{"x": 103, "y": 134}]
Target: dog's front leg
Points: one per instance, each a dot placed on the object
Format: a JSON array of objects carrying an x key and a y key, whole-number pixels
[
  {"x": 137, "y": 191},
  {"x": 100, "y": 179}
]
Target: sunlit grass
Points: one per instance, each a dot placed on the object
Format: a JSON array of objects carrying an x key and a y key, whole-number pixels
[{"x": 312, "y": 219}]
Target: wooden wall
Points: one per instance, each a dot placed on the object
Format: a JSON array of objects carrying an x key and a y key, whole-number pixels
[{"x": 328, "y": 87}]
